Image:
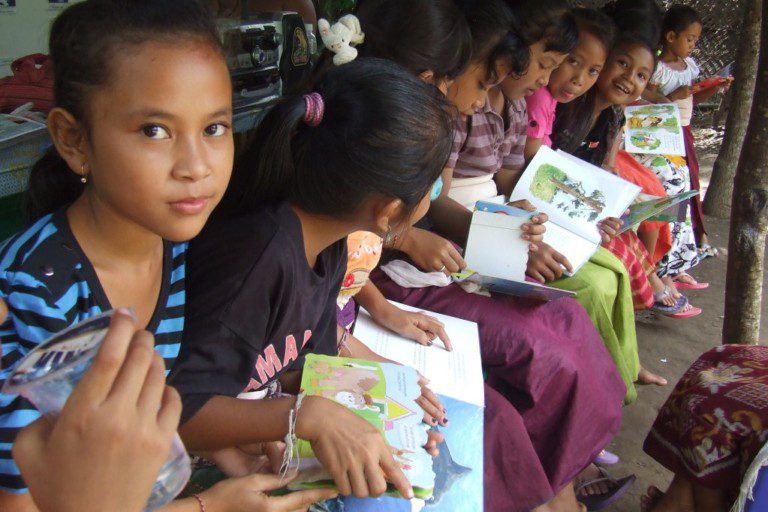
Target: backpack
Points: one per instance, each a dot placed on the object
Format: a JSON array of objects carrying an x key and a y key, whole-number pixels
[{"x": 32, "y": 81}]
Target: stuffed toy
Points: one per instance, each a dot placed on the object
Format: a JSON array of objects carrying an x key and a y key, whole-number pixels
[{"x": 341, "y": 37}]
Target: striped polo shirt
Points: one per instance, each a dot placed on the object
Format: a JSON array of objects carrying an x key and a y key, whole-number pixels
[
  {"x": 49, "y": 284},
  {"x": 486, "y": 142}
]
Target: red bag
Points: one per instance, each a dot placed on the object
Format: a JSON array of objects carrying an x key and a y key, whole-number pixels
[{"x": 32, "y": 80}]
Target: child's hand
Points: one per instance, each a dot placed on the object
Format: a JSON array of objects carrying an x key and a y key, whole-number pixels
[
  {"x": 434, "y": 438},
  {"x": 547, "y": 264},
  {"x": 434, "y": 412},
  {"x": 681, "y": 93},
  {"x": 105, "y": 449},
  {"x": 249, "y": 493},
  {"x": 431, "y": 252},
  {"x": 247, "y": 460},
  {"x": 415, "y": 326},
  {"x": 533, "y": 231},
  {"x": 352, "y": 450},
  {"x": 609, "y": 228},
  {"x": 727, "y": 85}
]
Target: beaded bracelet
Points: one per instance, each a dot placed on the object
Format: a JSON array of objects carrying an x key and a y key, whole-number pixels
[
  {"x": 200, "y": 502},
  {"x": 343, "y": 342}
]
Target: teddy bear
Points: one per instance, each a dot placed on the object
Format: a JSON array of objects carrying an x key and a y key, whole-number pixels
[{"x": 341, "y": 37}]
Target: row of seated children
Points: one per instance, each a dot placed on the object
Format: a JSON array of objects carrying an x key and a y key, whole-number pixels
[{"x": 143, "y": 155}]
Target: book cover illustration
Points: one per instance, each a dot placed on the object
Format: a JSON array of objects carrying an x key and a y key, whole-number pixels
[
  {"x": 654, "y": 129},
  {"x": 384, "y": 394},
  {"x": 575, "y": 198},
  {"x": 524, "y": 289},
  {"x": 653, "y": 207}
]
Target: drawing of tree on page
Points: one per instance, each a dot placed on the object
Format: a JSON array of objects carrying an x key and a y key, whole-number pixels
[{"x": 572, "y": 197}]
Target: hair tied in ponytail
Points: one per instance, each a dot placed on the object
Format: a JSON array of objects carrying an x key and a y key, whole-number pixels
[{"x": 315, "y": 109}]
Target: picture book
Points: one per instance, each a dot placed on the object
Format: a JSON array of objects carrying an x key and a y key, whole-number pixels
[
  {"x": 524, "y": 289},
  {"x": 457, "y": 374},
  {"x": 651, "y": 207},
  {"x": 708, "y": 83},
  {"x": 495, "y": 246},
  {"x": 384, "y": 394},
  {"x": 576, "y": 195},
  {"x": 457, "y": 378},
  {"x": 654, "y": 129}
]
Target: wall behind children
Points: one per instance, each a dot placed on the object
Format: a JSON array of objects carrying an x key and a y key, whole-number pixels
[{"x": 24, "y": 26}]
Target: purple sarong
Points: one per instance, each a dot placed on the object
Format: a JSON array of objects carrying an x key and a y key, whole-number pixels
[{"x": 549, "y": 363}]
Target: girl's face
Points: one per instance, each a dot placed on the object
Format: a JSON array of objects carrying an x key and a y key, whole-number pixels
[
  {"x": 625, "y": 75},
  {"x": 579, "y": 72},
  {"x": 470, "y": 89},
  {"x": 683, "y": 43},
  {"x": 537, "y": 75},
  {"x": 160, "y": 148}
]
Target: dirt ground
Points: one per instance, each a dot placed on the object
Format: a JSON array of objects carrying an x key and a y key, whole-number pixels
[{"x": 668, "y": 347}]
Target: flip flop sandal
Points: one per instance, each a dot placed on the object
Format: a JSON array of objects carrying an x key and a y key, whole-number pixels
[
  {"x": 601, "y": 501},
  {"x": 683, "y": 285},
  {"x": 688, "y": 313},
  {"x": 677, "y": 307}
]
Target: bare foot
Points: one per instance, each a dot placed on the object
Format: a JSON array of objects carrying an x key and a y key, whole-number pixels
[
  {"x": 667, "y": 280},
  {"x": 650, "y": 499},
  {"x": 591, "y": 473},
  {"x": 647, "y": 378}
]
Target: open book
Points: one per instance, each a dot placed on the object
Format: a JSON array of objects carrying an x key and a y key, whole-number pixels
[
  {"x": 652, "y": 207},
  {"x": 654, "y": 129},
  {"x": 383, "y": 394},
  {"x": 576, "y": 195},
  {"x": 497, "y": 255},
  {"x": 457, "y": 378}
]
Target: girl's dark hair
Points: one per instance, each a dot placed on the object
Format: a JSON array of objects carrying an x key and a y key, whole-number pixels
[
  {"x": 490, "y": 23},
  {"x": 419, "y": 35},
  {"x": 597, "y": 24},
  {"x": 573, "y": 120},
  {"x": 84, "y": 42},
  {"x": 638, "y": 22},
  {"x": 678, "y": 18},
  {"x": 384, "y": 132},
  {"x": 548, "y": 21}
]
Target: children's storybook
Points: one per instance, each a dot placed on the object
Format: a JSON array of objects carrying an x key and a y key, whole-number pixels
[
  {"x": 497, "y": 255},
  {"x": 652, "y": 206},
  {"x": 576, "y": 195},
  {"x": 383, "y": 394},
  {"x": 654, "y": 129},
  {"x": 708, "y": 83},
  {"x": 457, "y": 378}
]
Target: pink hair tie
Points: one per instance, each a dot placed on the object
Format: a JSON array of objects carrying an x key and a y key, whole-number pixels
[{"x": 315, "y": 109}]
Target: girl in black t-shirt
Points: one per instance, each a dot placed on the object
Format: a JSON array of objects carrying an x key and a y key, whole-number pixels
[{"x": 360, "y": 153}]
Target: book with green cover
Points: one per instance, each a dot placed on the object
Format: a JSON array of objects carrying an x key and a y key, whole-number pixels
[
  {"x": 650, "y": 209},
  {"x": 384, "y": 394}
]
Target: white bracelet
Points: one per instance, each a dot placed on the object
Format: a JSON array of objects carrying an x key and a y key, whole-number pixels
[{"x": 290, "y": 437}]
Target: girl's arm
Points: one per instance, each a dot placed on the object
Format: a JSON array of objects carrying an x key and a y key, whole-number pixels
[
  {"x": 451, "y": 218},
  {"x": 532, "y": 146},
  {"x": 250, "y": 493},
  {"x": 415, "y": 326},
  {"x": 506, "y": 179},
  {"x": 652, "y": 94}
]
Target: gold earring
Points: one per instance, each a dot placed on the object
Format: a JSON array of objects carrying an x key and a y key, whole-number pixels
[{"x": 83, "y": 174}]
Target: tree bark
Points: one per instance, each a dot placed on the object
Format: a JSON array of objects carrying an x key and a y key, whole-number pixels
[
  {"x": 749, "y": 218},
  {"x": 717, "y": 201}
]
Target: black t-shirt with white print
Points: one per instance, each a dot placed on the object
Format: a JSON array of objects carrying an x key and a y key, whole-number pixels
[{"x": 254, "y": 305}]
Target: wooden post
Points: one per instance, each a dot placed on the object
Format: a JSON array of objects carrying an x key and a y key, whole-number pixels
[
  {"x": 749, "y": 217},
  {"x": 717, "y": 201}
]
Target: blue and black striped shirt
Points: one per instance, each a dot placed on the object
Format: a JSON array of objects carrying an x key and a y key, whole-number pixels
[{"x": 49, "y": 284}]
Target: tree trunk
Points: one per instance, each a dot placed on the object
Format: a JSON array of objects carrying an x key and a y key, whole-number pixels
[
  {"x": 749, "y": 218},
  {"x": 717, "y": 201}
]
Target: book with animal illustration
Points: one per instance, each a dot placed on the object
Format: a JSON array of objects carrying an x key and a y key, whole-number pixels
[
  {"x": 576, "y": 195},
  {"x": 651, "y": 207},
  {"x": 384, "y": 394},
  {"x": 497, "y": 254},
  {"x": 654, "y": 129}
]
